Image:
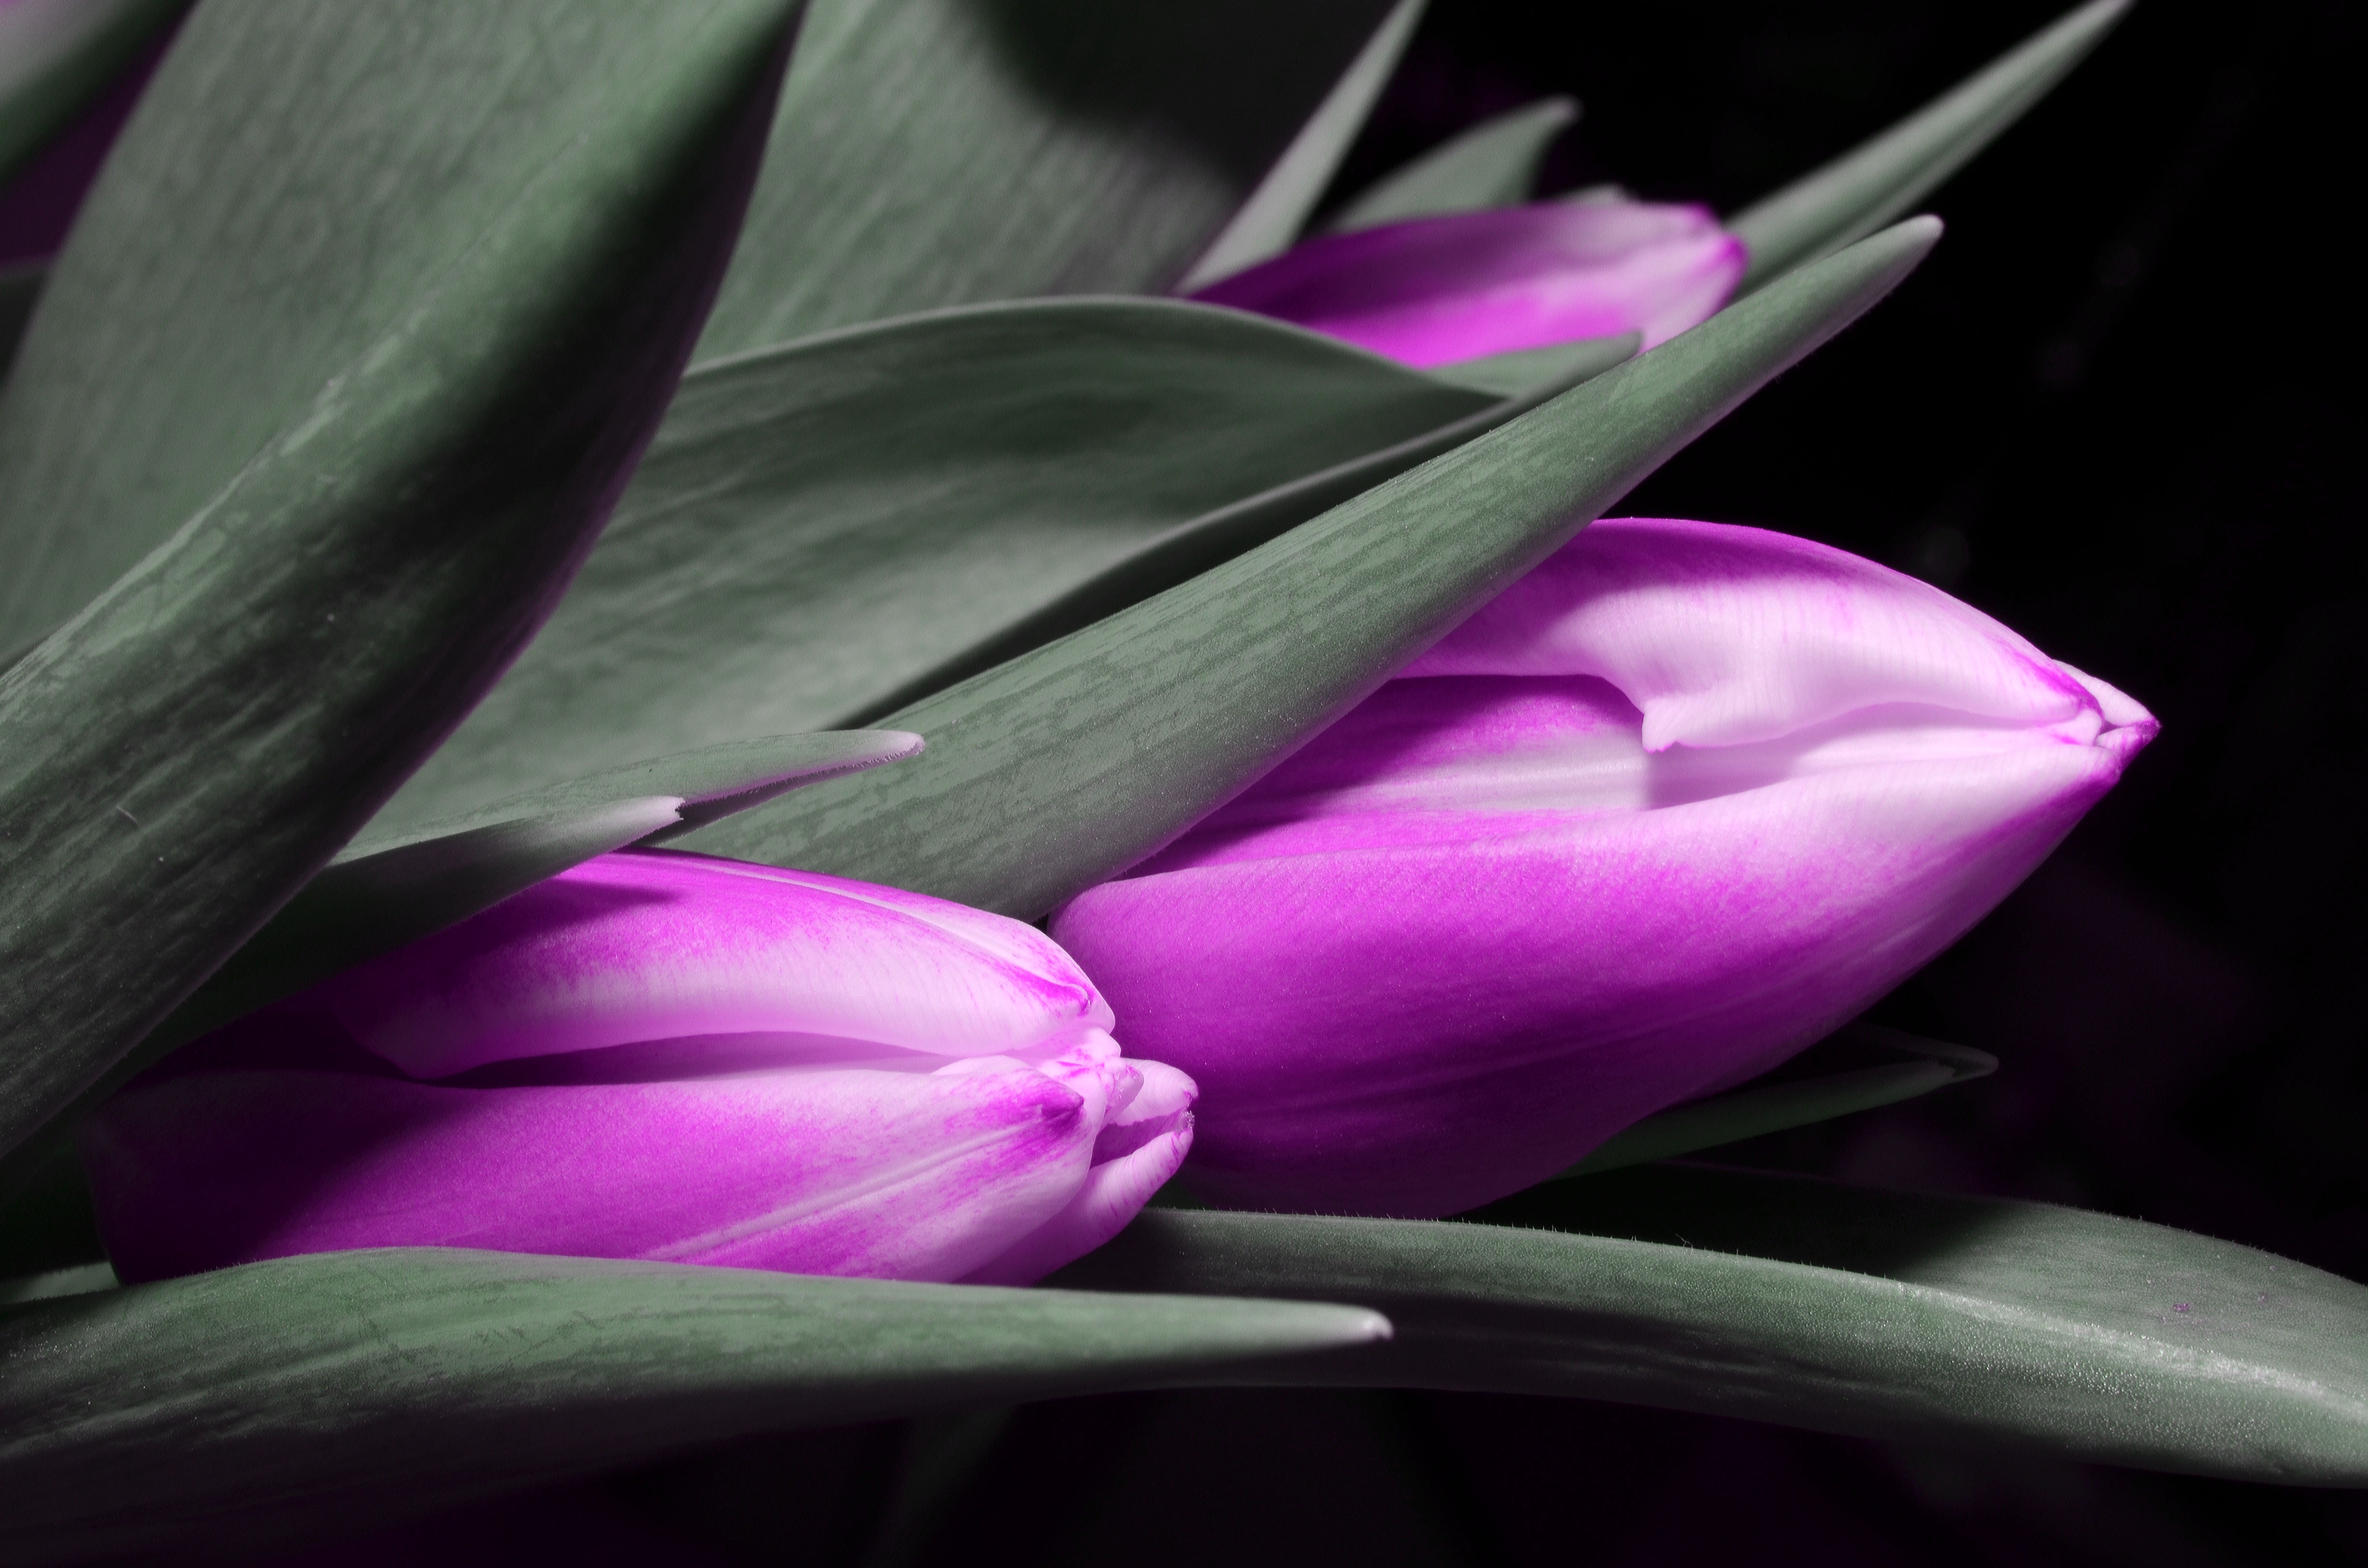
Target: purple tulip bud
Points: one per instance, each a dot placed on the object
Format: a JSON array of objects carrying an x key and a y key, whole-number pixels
[
  {"x": 661, "y": 1055},
  {"x": 1671, "y": 807},
  {"x": 1433, "y": 290}
]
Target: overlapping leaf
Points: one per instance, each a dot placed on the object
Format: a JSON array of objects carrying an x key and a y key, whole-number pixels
[
  {"x": 1860, "y": 1069},
  {"x": 1277, "y": 210},
  {"x": 939, "y": 153},
  {"x": 257, "y": 1403},
  {"x": 1495, "y": 164},
  {"x": 820, "y": 525},
  {"x": 1838, "y": 1308},
  {"x": 392, "y": 471},
  {"x": 1063, "y": 767}
]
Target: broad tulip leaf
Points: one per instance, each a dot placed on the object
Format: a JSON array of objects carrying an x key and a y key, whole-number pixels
[
  {"x": 1277, "y": 210},
  {"x": 1814, "y": 1086},
  {"x": 320, "y": 1394},
  {"x": 186, "y": 751},
  {"x": 1192, "y": 548},
  {"x": 935, "y": 153},
  {"x": 1889, "y": 174},
  {"x": 707, "y": 784},
  {"x": 1521, "y": 372},
  {"x": 1061, "y": 768},
  {"x": 1837, "y": 1308},
  {"x": 56, "y": 55},
  {"x": 819, "y": 525},
  {"x": 74, "y": 1279},
  {"x": 1495, "y": 164}
]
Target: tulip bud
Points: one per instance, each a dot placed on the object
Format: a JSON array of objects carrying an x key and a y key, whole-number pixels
[
  {"x": 660, "y": 1055},
  {"x": 1674, "y": 805},
  {"x": 1434, "y": 290}
]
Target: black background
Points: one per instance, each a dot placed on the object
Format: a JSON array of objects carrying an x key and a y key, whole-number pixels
[{"x": 2118, "y": 410}]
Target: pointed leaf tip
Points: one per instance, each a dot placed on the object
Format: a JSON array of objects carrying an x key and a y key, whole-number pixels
[{"x": 1829, "y": 207}]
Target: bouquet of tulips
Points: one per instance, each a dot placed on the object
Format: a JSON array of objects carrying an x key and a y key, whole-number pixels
[{"x": 732, "y": 715}]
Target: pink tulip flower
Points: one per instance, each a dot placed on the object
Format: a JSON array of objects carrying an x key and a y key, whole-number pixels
[
  {"x": 661, "y": 1055},
  {"x": 1674, "y": 805},
  {"x": 1433, "y": 290}
]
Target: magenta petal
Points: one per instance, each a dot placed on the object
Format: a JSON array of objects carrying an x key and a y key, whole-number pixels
[
  {"x": 656, "y": 945},
  {"x": 1483, "y": 921},
  {"x": 1434, "y": 290},
  {"x": 854, "y": 1171}
]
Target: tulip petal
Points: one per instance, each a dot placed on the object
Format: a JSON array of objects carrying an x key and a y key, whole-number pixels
[
  {"x": 849, "y": 1171},
  {"x": 1683, "y": 616},
  {"x": 1482, "y": 922},
  {"x": 1432, "y": 290},
  {"x": 651, "y": 944},
  {"x": 1113, "y": 1193}
]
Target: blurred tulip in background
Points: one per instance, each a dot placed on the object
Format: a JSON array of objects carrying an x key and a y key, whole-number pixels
[
  {"x": 666, "y": 1056},
  {"x": 1673, "y": 806},
  {"x": 1466, "y": 285}
]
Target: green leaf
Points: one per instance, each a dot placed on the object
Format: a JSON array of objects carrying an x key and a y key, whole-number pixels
[
  {"x": 706, "y": 785},
  {"x": 935, "y": 153},
  {"x": 1495, "y": 164},
  {"x": 1061, "y": 768},
  {"x": 1271, "y": 219},
  {"x": 1520, "y": 372},
  {"x": 326, "y": 1393},
  {"x": 186, "y": 751},
  {"x": 1816, "y": 1085},
  {"x": 1214, "y": 537},
  {"x": 1887, "y": 175},
  {"x": 822, "y": 524},
  {"x": 56, "y": 55},
  {"x": 1842, "y": 1309}
]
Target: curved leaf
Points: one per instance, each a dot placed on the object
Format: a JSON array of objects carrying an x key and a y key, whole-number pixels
[
  {"x": 1271, "y": 219},
  {"x": 55, "y": 56},
  {"x": 317, "y": 1394},
  {"x": 192, "y": 747},
  {"x": 1816, "y": 1304},
  {"x": 1816, "y": 1085},
  {"x": 1889, "y": 174},
  {"x": 1063, "y": 767},
  {"x": 1189, "y": 549},
  {"x": 1495, "y": 164},
  {"x": 935, "y": 153},
  {"x": 819, "y": 525}
]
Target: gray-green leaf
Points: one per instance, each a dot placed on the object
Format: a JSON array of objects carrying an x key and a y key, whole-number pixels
[
  {"x": 1495, "y": 164},
  {"x": 819, "y": 525},
  {"x": 1276, "y": 211},
  {"x": 1887, "y": 175},
  {"x": 1816, "y": 1304},
  {"x": 936, "y": 152},
  {"x": 1061, "y": 768},
  {"x": 320, "y": 1394},
  {"x": 1806, "y": 1090},
  {"x": 185, "y": 754}
]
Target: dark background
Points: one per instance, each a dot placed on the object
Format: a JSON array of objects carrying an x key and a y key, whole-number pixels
[{"x": 2118, "y": 410}]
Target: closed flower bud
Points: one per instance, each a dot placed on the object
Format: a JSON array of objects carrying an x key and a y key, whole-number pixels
[
  {"x": 1434, "y": 290},
  {"x": 1673, "y": 806},
  {"x": 660, "y": 1055}
]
